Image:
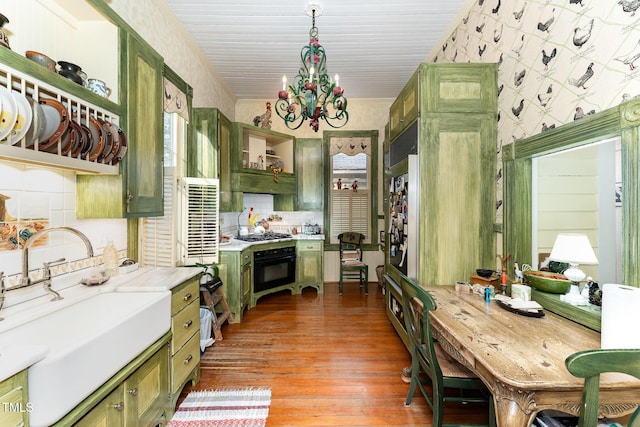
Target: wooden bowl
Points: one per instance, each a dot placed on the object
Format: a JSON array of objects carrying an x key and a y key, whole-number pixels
[
  {"x": 546, "y": 281},
  {"x": 42, "y": 59}
]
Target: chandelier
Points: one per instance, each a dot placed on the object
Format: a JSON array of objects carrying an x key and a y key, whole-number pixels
[{"x": 313, "y": 94}]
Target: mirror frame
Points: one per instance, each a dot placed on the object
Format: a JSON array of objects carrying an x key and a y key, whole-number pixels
[{"x": 623, "y": 120}]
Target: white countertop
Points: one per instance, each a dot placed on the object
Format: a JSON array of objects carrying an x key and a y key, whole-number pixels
[
  {"x": 14, "y": 359},
  {"x": 240, "y": 245}
]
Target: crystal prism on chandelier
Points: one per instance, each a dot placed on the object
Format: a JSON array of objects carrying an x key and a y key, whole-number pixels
[{"x": 313, "y": 94}]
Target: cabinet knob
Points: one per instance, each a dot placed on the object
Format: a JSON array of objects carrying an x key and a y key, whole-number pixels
[
  {"x": 188, "y": 359},
  {"x": 118, "y": 406},
  {"x": 133, "y": 391},
  {"x": 187, "y": 297},
  {"x": 188, "y": 324}
]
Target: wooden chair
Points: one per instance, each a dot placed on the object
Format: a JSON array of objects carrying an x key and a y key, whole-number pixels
[
  {"x": 589, "y": 364},
  {"x": 351, "y": 265},
  {"x": 430, "y": 364}
]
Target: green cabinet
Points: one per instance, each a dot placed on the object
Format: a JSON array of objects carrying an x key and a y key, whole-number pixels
[
  {"x": 185, "y": 336},
  {"x": 309, "y": 174},
  {"x": 457, "y": 134},
  {"x": 309, "y": 264},
  {"x": 404, "y": 109},
  {"x": 209, "y": 152},
  {"x": 136, "y": 395},
  {"x": 140, "y": 400},
  {"x": 235, "y": 269},
  {"x": 137, "y": 192},
  {"x": 14, "y": 409}
]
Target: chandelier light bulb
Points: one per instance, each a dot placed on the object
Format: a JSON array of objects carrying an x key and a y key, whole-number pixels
[
  {"x": 284, "y": 82},
  {"x": 337, "y": 79}
]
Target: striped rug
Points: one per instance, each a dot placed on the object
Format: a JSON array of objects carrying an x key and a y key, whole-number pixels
[{"x": 228, "y": 407}]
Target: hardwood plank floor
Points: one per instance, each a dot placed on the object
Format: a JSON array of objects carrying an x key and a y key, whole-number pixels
[{"x": 329, "y": 360}]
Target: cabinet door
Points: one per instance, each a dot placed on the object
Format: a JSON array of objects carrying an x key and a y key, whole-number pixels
[
  {"x": 14, "y": 409},
  {"x": 229, "y": 272},
  {"x": 145, "y": 391},
  {"x": 309, "y": 269},
  {"x": 109, "y": 412},
  {"x": 309, "y": 174},
  {"x": 143, "y": 168},
  {"x": 246, "y": 277}
]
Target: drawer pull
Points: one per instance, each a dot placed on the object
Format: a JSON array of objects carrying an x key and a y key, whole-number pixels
[
  {"x": 118, "y": 406},
  {"x": 188, "y": 359},
  {"x": 187, "y": 297},
  {"x": 133, "y": 391},
  {"x": 188, "y": 324}
]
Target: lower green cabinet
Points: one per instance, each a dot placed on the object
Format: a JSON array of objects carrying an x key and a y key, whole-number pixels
[
  {"x": 14, "y": 409},
  {"x": 309, "y": 264},
  {"x": 235, "y": 269},
  {"x": 135, "y": 396}
]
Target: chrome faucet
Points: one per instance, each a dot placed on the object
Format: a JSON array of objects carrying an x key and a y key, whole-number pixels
[{"x": 46, "y": 280}]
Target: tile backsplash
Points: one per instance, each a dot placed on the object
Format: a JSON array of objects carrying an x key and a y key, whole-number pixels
[
  {"x": 263, "y": 205},
  {"x": 35, "y": 197}
]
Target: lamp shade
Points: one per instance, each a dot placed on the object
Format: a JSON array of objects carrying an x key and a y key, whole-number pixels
[{"x": 573, "y": 248}]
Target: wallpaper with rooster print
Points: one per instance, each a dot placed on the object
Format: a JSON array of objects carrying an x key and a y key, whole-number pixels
[{"x": 558, "y": 61}]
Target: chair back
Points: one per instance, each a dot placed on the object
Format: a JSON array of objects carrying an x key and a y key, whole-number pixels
[
  {"x": 589, "y": 365},
  {"x": 416, "y": 305},
  {"x": 351, "y": 245}
]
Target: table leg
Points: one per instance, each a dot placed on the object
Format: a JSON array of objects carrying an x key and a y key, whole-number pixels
[{"x": 514, "y": 407}]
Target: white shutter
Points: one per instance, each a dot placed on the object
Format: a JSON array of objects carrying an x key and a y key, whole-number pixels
[
  {"x": 349, "y": 212},
  {"x": 198, "y": 236},
  {"x": 157, "y": 239}
]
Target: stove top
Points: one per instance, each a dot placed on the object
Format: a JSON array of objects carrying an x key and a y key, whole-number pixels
[{"x": 263, "y": 237}]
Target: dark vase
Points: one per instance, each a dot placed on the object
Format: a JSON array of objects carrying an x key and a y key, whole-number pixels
[{"x": 4, "y": 40}]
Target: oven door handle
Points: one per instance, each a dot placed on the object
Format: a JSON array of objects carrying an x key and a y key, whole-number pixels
[{"x": 279, "y": 259}]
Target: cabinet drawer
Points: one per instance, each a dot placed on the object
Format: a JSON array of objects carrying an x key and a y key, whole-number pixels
[
  {"x": 246, "y": 257},
  {"x": 309, "y": 246},
  {"x": 184, "y": 362},
  {"x": 184, "y": 295},
  {"x": 184, "y": 325}
]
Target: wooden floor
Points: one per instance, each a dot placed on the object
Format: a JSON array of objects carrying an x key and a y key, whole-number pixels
[{"x": 329, "y": 360}]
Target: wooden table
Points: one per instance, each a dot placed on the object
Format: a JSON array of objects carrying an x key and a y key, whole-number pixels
[{"x": 521, "y": 359}]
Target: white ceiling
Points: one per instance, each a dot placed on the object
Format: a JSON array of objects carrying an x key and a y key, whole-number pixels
[{"x": 374, "y": 46}]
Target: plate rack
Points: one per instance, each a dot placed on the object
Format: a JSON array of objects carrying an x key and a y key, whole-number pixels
[{"x": 29, "y": 86}]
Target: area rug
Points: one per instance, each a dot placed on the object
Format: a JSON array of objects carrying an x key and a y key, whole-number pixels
[{"x": 247, "y": 407}]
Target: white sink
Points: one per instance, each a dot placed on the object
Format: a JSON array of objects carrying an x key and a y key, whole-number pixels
[{"x": 88, "y": 342}]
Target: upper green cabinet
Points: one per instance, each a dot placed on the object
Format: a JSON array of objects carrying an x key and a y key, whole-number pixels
[
  {"x": 309, "y": 174},
  {"x": 209, "y": 151},
  {"x": 137, "y": 192},
  {"x": 253, "y": 151},
  {"x": 404, "y": 109},
  {"x": 144, "y": 123}
]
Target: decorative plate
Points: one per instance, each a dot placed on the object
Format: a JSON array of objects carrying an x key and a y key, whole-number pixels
[
  {"x": 23, "y": 117},
  {"x": 56, "y": 122},
  {"x": 37, "y": 124},
  {"x": 9, "y": 110}
]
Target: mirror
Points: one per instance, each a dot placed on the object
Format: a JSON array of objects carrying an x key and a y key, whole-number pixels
[
  {"x": 622, "y": 122},
  {"x": 574, "y": 191}
]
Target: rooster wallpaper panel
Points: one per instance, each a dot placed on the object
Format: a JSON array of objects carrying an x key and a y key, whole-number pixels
[{"x": 558, "y": 61}]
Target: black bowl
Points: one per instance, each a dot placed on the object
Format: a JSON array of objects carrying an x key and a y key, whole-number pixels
[
  {"x": 483, "y": 272},
  {"x": 74, "y": 77},
  {"x": 64, "y": 65}
]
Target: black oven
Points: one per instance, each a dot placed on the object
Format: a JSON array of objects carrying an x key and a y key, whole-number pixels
[{"x": 274, "y": 267}]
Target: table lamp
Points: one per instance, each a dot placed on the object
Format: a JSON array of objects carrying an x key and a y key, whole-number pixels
[{"x": 574, "y": 249}]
